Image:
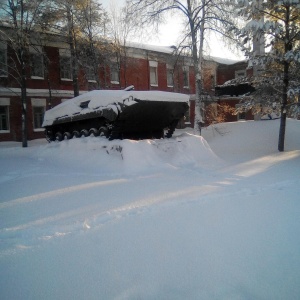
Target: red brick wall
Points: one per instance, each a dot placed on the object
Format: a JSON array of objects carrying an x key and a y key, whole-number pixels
[
  {"x": 136, "y": 72},
  {"x": 15, "y": 120},
  {"x": 227, "y": 72}
]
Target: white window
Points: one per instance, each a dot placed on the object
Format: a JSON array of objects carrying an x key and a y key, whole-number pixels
[
  {"x": 153, "y": 73},
  {"x": 36, "y": 62},
  {"x": 38, "y": 110},
  {"x": 90, "y": 74},
  {"x": 89, "y": 69},
  {"x": 170, "y": 77},
  {"x": 186, "y": 75},
  {"x": 213, "y": 81},
  {"x": 65, "y": 64},
  {"x": 241, "y": 115},
  {"x": 4, "y": 114},
  {"x": 240, "y": 73},
  {"x": 114, "y": 74},
  {"x": 3, "y": 59}
]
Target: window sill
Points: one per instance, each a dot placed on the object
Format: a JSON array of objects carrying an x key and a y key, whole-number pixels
[
  {"x": 66, "y": 79},
  {"x": 37, "y": 77},
  {"x": 38, "y": 129},
  {"x": 4, "y": 131},
  {"x": 152, "y": 84},
  {"x": 92, "y": 81}
]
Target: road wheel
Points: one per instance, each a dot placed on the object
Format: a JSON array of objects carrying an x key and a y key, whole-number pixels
[
  {"x": 58, "y": 136},
  {"x": 67, "y": 135},
  {"x": 94, "y": 132},
  {"x": 76, "y": 134},
  {"x": 84, "y": 133},
  {"x": 103, "y": 131}
]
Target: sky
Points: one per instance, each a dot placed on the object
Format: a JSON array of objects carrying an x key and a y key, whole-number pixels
[{"x": 169, "y": 34}]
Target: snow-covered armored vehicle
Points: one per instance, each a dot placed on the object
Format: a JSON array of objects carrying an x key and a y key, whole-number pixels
[{"x": 116, "y": 114}]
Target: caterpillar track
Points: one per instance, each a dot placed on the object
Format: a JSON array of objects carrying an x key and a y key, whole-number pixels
[{"x": 116, "y": 114}]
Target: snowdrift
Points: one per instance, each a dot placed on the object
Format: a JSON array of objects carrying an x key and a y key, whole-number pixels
[{"x": 129, "y": 156}]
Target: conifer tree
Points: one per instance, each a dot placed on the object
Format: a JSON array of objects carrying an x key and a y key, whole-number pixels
[{"x": 277, "y": 22}]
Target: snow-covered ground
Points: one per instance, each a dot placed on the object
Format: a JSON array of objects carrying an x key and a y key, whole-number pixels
[{"x": 185, "y": 218}]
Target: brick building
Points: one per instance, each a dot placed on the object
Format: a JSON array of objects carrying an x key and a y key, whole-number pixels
[
  {"x": 144, "y": 66},
  {"x": 231, "y": 95}
]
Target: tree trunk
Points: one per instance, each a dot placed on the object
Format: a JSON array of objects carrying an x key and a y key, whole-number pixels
[
  {"x": 198, "y": 117},
  {"x": 24, "y": 117},
  {"x": 74, "y": 69},
  {"x": 287, "y": 47},
  {"x": 283, "y": 108},
  {"x": 23, "y": 99},
  {"x": 74, "y": 62},
  {"x": 201, "y": 43}
]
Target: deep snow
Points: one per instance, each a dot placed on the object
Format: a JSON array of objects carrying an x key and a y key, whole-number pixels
[{"x": 185, "y": 218}]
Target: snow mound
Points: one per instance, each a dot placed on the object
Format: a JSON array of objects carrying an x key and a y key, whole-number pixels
[
  {"x": 244, "y": 140},
  {"x": 130, "y": 156}
]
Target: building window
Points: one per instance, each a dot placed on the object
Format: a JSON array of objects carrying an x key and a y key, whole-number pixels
[
  {"x": 90, "y": 73},
  {"x": 37, "y": 65},
  {"x": 186, "y": 82},
  {"x": 4, "y": 114},
  {"x": 114, "y": 74},
  {"x": 65, "y": 62},
  {"x": 65, "y": 68},
  {"x": 4, "y": 118},
  {"x": 38, "y": 115},
  {"x": 89, "y": 69},
  {"x": 213, "y": 81},
  {"x": 241, "y": 115},
  {"x": 240, "y": 73},
  {"x": 3, "y": 59},
  {"x": 38, "y": 110},
  {"x": 153, "y": 73},
  {"x": 170, "y": 78}
]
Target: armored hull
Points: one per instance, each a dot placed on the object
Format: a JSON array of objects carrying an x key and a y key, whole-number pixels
[{"x": 116, "y": 115}]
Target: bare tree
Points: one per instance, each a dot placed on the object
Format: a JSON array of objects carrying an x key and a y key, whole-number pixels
[
  {"x": 154, "y": 11},
  {"x": 125, "y": 26},
  {"x": 93, "y": 21},
  {"x": 82, "y": 24},
  {"x": 20, "y": 18},
  {"x": 200, "y": 16}
]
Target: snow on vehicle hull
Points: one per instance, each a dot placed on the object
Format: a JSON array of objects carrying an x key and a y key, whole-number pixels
[{"x": 116, "y": 115}]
